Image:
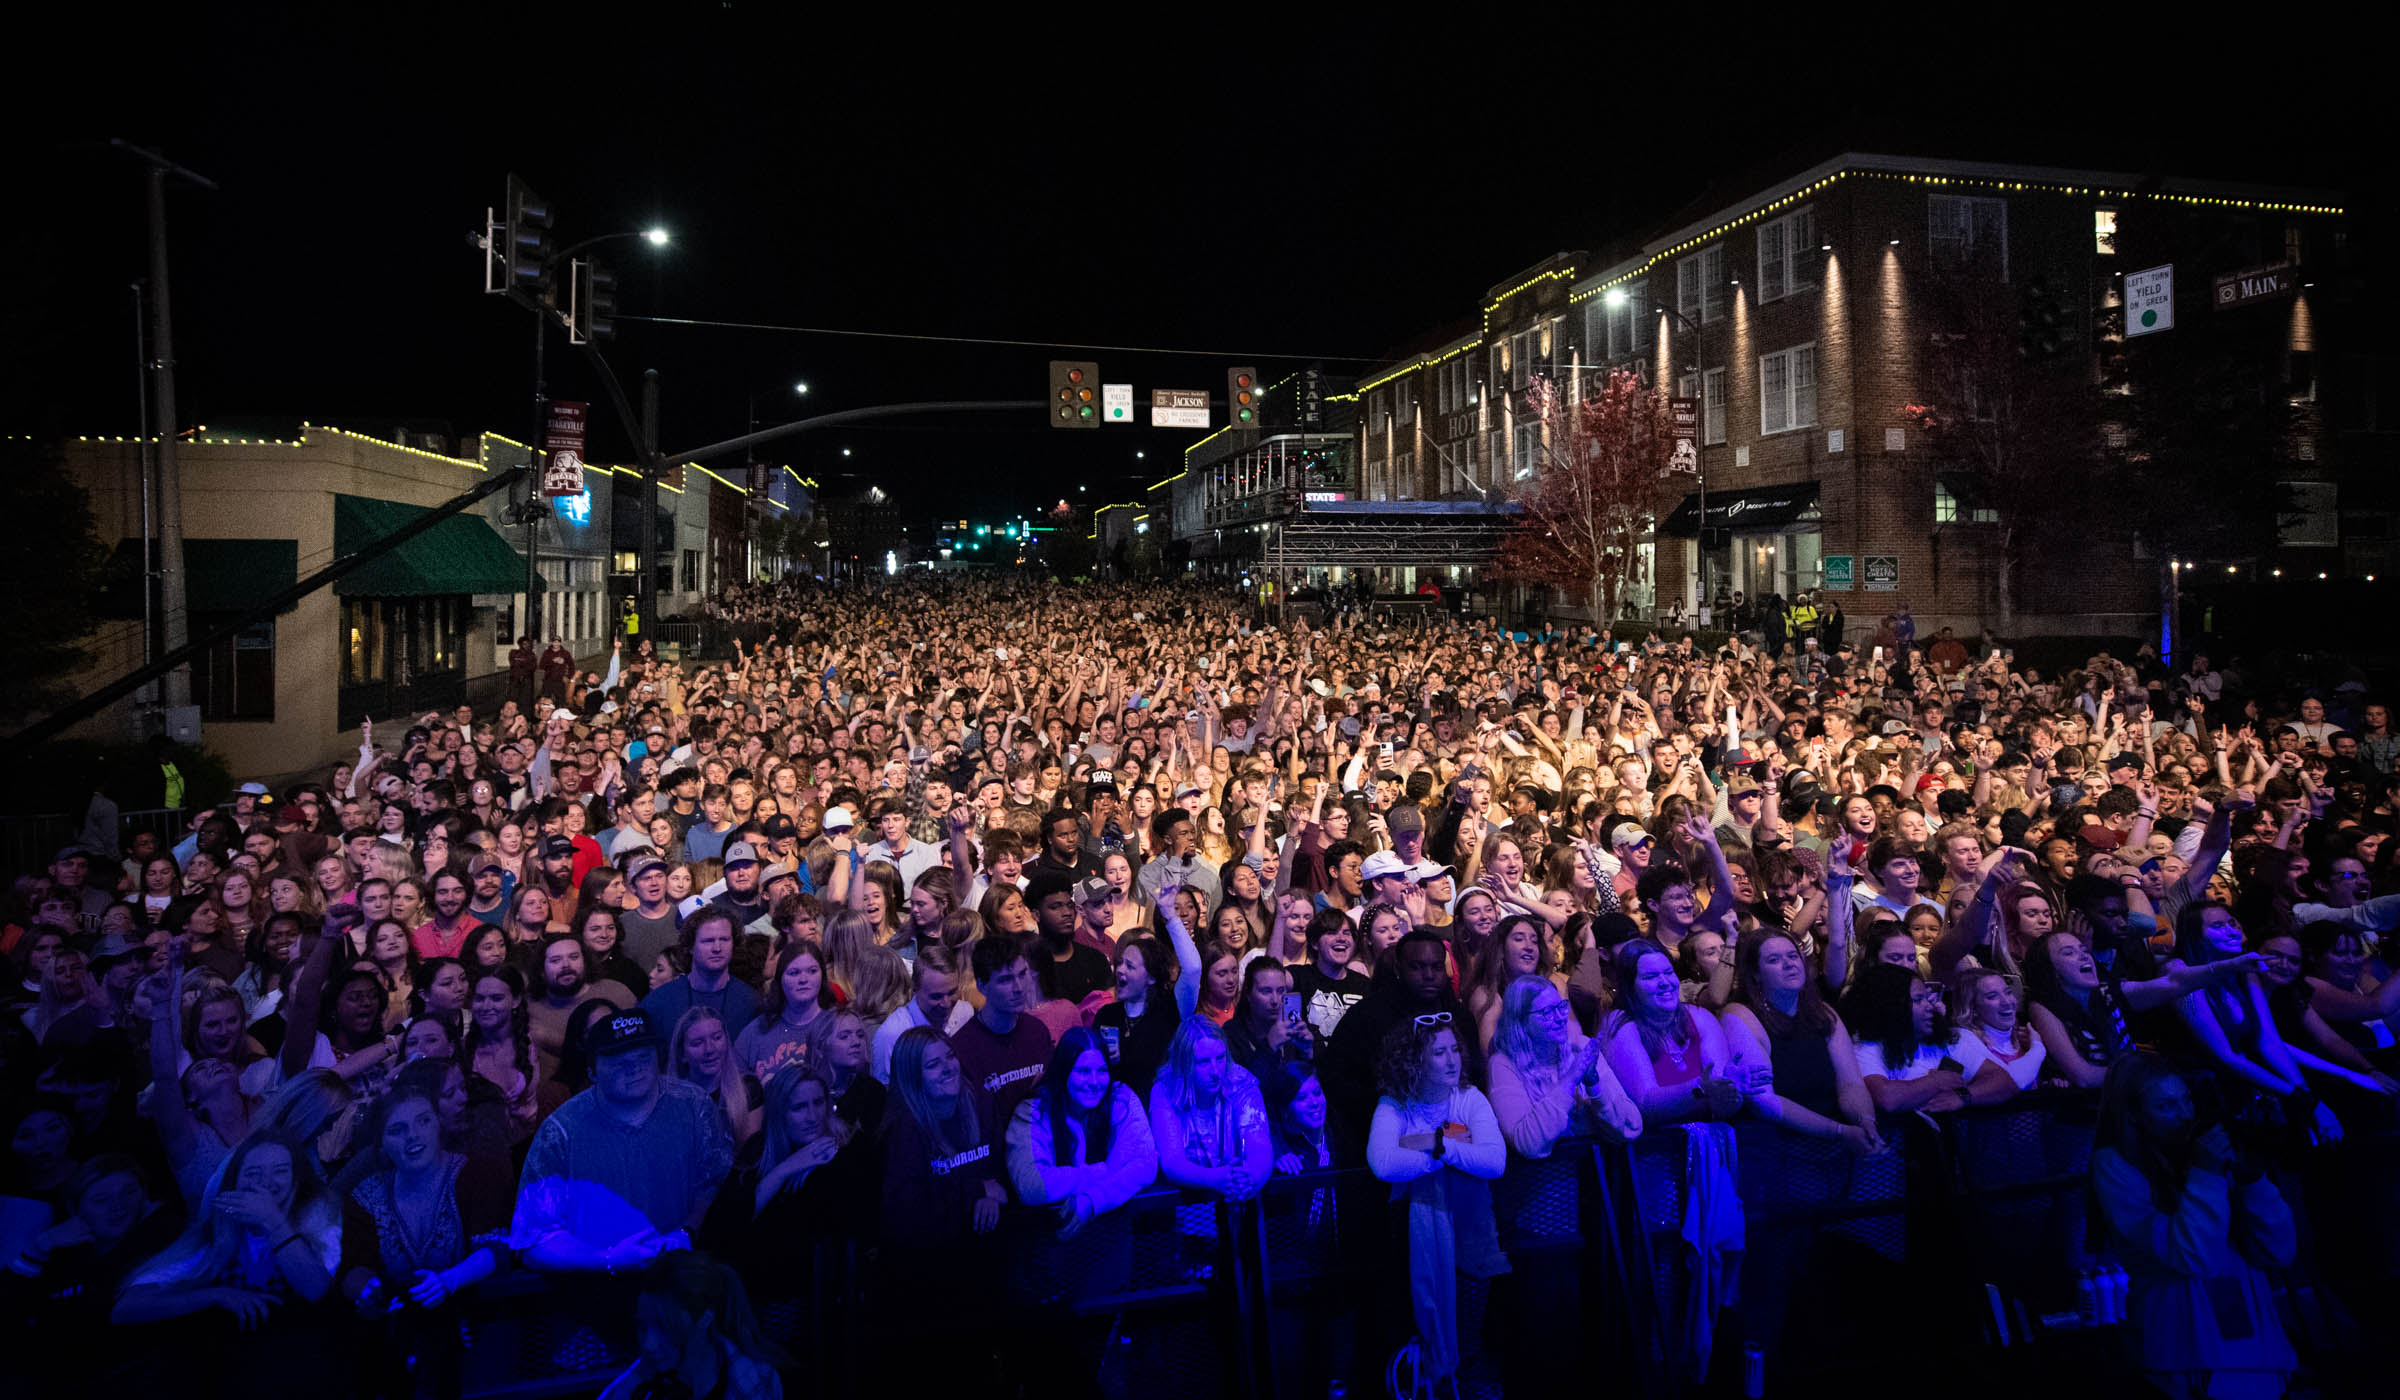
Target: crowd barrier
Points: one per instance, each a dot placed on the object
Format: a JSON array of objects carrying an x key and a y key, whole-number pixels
[
  {"x": 1976, "y": 1224},
  {"x": 1963, "y": 1243}
]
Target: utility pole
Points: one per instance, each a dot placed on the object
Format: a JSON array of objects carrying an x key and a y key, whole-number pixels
[
  {"x": 535, "y": 502},
  {"x": 647, "y": 589},
  {"x": 176, "y": 692}
]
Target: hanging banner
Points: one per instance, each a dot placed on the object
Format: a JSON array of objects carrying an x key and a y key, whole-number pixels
[
  {"x": 562, "y": 471},
  {"x": 1683, "y": 415}
]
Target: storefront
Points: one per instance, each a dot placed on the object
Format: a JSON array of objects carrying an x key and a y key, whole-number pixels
[
  {"x": 405, "y": 618},
  {"x": 1756, "y": 541}
]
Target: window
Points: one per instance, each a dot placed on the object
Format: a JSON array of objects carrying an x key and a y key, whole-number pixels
[
  {"x": 1378, "y": 413},
  {"x": 1787, "y": 389},
  {"x": 691, "y": 571},
  {"x": 1700, "y": 287},
  {"x": 235, "y": 679},
  {"x": 1967, "y": 230},
  {"x": 2104, "y": 231},
  {"x": 1529, "y": 449},
  {"x": 1495, "y": 456},
  {"x": 2291, "y": 244},
  {"x": 1947, "y": 509},
  {"x": 1712, "y": 408},
  {"x": 1524, "y": 358},
  {"x": 1787, "y": 254},
  {"x": 1641, "y": 326}
]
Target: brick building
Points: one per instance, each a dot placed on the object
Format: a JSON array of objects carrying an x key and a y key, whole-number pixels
[{"x": 1801, "y": 315}]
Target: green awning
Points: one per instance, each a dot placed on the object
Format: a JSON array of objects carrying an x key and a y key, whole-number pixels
[
  {"x": 462, "y": 554},
  {"x": 219, "y": 576}
]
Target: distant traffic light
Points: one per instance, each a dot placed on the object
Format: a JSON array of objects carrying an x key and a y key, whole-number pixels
[
  {"x": 525, "y": 241},
  {"x": 591, "y": 302},
  {"x": 1074, "y": 394},
  {"x": 1241, "y": 397}
]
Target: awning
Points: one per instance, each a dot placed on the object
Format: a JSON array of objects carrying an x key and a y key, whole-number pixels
[
  {"x": 219, "y": 576},
  {"x": 462, "y": 554},
  {"x": 1751, "y": 510}
]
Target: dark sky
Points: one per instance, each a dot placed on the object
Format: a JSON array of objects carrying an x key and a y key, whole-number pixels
[{"x": 1295, "y": 192}]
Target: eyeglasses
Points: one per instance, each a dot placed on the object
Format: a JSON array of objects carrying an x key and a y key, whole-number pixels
[
  {"x": 1434, "y": 1018},
  {"x": 2349, "y": 874}
]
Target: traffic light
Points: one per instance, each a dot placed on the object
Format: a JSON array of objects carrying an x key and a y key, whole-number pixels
[
  {"x": 591, "y": 302},
  {"x": 1074, "y": 394},
  {"x": 525, "y": 241},
  {"x": 1241, "y": 397}
]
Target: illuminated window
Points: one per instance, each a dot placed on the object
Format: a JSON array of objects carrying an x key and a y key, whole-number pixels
[
  {"x": 2104, "y": 231},
  {"x": 1712, "y": 408}
]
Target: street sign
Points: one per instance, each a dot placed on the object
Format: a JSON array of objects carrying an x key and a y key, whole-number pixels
[
  {"x": 2150, "y": 300},
  {"x": 1684, "y": 416},
  {"x": 2256, "y": 284},
  {"x": 1116, "y": 403},
  {"x": 562, "y": 474},
  {"x": 1178, "y": 408}
]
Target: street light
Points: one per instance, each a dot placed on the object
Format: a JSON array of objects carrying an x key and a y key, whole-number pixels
[
  {"x": 658, "y": 237},
  {"x": 801, "y": 387},
  {"x": 1616, "y": 297}
]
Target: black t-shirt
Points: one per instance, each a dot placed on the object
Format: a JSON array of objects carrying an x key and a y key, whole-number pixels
[
  {"x": 1083, "y": 972},
  {"x": 1324, "y": 1000}
]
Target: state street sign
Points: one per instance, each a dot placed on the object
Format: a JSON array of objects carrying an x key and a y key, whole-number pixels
[
  {"x": 2150, "y": 300},
  {"x": 1178, "y": 408},
  {"x": 1116, "y": 403}
]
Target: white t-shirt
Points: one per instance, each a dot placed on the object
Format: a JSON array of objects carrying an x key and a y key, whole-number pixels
[
  {"x": 2024, "y": 1068},
  {"x": 1967, "y": 1051}
]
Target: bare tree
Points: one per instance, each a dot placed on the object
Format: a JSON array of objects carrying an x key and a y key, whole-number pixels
[{"x": 1596, "y": 492}]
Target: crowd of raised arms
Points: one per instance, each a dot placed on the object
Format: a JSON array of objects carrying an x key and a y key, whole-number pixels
[{"x": 946, "y": 896}]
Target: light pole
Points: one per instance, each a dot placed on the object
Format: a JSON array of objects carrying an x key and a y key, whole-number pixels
[
  {"x": 1616, "y": 297},
  {"x": 543, "y": 310}
]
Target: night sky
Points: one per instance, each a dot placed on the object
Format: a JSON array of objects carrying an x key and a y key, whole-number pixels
[{"x": 1302, "y": 192}]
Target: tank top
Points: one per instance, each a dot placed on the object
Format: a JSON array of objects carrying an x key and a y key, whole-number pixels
[
  {"x": 1670, "y": 1071},
  {"x": 1803, "y": 1061}
]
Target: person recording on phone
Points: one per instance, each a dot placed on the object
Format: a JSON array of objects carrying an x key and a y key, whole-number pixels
[{"x": 1268, "y": 1029}]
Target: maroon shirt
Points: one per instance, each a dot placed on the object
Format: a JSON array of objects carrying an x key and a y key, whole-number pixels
[{"x": 1008, "y": 1068}]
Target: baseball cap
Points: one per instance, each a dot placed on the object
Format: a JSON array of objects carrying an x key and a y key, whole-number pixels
[
  {"x": 741, "y": 853},
  {"x": 1893, "y": 726},
  {"x": 1382, "y": 864},
  {"x": 1102, "y": 780},
  {"x": 557, "y": 846},
  {"x": 70, "y": 853},
  {"x": 1187, "y": 790},
  {"x": 2124, "y": 760},
  {"x": 780, "y": 870},
  {"x": 839, "y": 819},
  {"x": 253, "y": 789},
  {"x": 1741, "y": 785},
  {"x": 627, "y": 1030},
  {"x": 1427, "y": 871},
  {"x": 1404, "y": 817},
  {"x": 1093, "y": 889},
  {"x": 692, "y": 904},
  {"x": 643, "y": 865},
  {"x": 1627, "y": 837}
]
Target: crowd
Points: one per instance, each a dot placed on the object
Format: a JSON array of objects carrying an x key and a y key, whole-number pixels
[{"x": 951, "y": 897}]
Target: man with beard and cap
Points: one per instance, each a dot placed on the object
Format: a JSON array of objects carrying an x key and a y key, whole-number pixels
[{"x": 744, "y": 897}]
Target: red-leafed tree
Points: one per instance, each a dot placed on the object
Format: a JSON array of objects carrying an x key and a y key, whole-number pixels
[{"x": 1595, "y": 493}]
